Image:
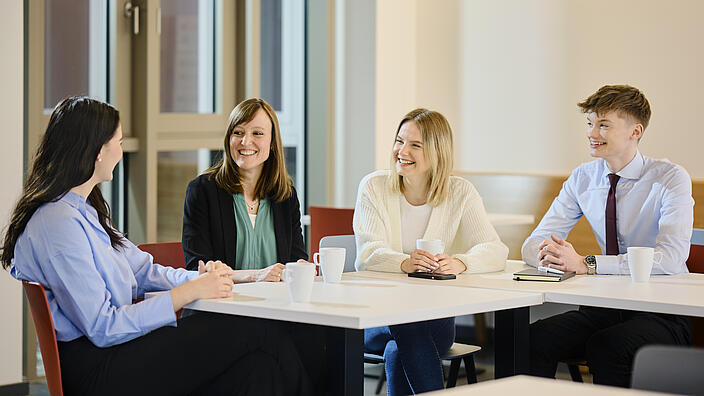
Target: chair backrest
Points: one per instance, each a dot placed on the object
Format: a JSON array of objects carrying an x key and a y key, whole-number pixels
[
  {"x": 325, "y": 221},
  {"x": 169, "y": 254},
  {"x": 343, "y": 241},
  {"x": 46, "y": 334},
  {"x": 671, "y": 369}
]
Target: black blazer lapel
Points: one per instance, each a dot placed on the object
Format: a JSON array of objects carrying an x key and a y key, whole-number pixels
[{"x": 227, "y": 220}]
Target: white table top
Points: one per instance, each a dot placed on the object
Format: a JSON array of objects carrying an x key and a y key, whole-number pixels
[
  {"x": 365, "y": 303},
  {"x": 681, "y": 294},
  {"x": 533, "y": 386}
]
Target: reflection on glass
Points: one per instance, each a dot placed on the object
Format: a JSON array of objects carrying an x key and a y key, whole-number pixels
[
  {"x": 270, "y": 69},
  {"x": 75, "y": 50},
  {"x": 290, "y": 159},
  {"x": 174, "y": 170},
  {"x": 187, "y": 56}
]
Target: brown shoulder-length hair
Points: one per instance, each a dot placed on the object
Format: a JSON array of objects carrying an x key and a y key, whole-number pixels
[
  {"x": 436, "y": 134},
  {"x": 78, "y": 128},
  {"x": 274, "y": 182}
]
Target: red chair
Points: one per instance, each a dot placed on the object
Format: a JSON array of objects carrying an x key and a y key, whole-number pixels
[
  {"x": 169, "y": 254},
  {"x": 695, "y": 263},
  {"x": 326, "y": 221},
  {"x": 46, "y": 335}
]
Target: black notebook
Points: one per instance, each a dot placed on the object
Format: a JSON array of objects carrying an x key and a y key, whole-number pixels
[{"x": 532, "y": 274}]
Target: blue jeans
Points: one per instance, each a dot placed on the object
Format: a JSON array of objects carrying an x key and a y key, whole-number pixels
[{"x": 412, "y": 353}]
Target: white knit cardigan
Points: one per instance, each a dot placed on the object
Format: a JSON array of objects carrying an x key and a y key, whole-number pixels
[{"x": 460, "y": 221}]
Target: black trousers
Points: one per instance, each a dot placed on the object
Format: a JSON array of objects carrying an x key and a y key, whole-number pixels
[
  {"x": 607, "y": 338},
  {"x": 207, "y": 354}
]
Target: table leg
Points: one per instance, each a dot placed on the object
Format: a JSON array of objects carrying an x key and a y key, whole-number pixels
[
  {"x": 511, "y": 342},
  {"x": 345, "y": 361}
]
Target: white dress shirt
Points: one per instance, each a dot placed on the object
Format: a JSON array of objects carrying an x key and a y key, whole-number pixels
[{"x": 654, "y": 208}]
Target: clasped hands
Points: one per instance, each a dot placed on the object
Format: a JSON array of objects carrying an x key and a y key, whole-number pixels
[
  {"x": 422, "y": 261},
  {"x": 559, "y": 254}
]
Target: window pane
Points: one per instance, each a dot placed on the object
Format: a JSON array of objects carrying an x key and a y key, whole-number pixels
[
  {"x": 174, "y": 170},
  {"x": 270, "y": 33},
  {"x": 187, "y": 56},
  {"x": 290, "y": 159},
  {"x": 75, "y": 50}
]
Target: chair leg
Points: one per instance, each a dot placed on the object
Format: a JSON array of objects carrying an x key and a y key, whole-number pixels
[
  {"x": 382, "y": 379},
  {"x": 574, "y": 372},
  {"x": 454, "y": 372},
  {"x": 470, "y": 369}
]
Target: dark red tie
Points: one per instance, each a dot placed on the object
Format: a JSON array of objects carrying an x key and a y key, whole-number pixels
[{"x": 611, "y": 233}]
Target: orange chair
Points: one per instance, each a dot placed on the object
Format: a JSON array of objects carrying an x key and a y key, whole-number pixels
[
  {"x": 46, "y": 335},
  {"x": 326, "y": 221},
  {"x": 169, "y": 254},
  {"x": 695, "y": 263}
]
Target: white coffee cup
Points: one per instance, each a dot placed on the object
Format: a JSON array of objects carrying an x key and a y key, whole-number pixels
[
  {"x": 640, "y": 262},
  {"x": 299, "y": 279},
  {"x": 331, "y": 262},
  {"x": 432, "y": 246}
]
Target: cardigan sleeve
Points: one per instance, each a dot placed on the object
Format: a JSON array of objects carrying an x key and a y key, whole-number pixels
[
  {"x": 196, "y": 238},
  {"x": 486, "y": 253},
  {"x": 372, "y": 234}
]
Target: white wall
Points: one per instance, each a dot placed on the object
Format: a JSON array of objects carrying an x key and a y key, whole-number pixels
[
  {"x": 11, "y": 128},
  {"x": 508, "y": 75}
]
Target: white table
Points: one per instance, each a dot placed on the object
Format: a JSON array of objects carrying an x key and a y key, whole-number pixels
[
  {"x": 681, "y": 294},
  {"x": 347, "y": 308},
  {"x": 533, "y": 386}
]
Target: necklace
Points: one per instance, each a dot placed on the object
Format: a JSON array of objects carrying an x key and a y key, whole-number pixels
[{"x": 251, "y": 205}]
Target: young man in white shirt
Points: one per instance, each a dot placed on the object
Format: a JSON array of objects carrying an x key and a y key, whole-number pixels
[{"x": 629, "y": 200}]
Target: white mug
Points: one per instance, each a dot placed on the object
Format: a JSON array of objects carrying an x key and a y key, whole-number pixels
[
  {"x": 432, "y": 246},
  {"x": 332, "y": 263},
  {"x": 640, "y": 262},
  {"x": 299, "y": 279}
]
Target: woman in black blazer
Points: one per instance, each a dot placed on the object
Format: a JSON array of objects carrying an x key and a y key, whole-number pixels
[{"x": 252, "y": 174}]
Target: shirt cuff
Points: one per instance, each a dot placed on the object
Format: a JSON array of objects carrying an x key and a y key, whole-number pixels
[
  {"x": 611, "y": 265},
  {"x": 161, "y": 312}
]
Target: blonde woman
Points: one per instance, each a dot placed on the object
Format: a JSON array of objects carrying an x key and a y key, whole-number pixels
[{"x": 418, "y": 199}]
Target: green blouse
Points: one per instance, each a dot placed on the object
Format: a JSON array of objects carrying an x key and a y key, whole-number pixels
[{"x": 256, "y": 246}]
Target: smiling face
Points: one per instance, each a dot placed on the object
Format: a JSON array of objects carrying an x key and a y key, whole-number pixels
[
  {"x": 613, "y": 138},
  {"x": 409, "y": 152},
  {"x": 110, "y": 154},
  {"x": 250, "y": 142}
]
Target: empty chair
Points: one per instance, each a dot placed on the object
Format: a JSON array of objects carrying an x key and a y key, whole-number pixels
[
  {"x": 671, "y": 369},
  {"x": 168, "y": 254},
  {"x": 46, "y": 334},
  {"x": 326, "y": 221},
  {"x": 456, "y": 354}
]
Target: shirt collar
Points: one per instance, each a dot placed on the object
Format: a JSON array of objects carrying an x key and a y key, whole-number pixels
[
  {"x": 633, "y": 170},
  {"x": 75, "y": 200}
]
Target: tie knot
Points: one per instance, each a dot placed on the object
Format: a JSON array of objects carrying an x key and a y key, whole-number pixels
[{"x": 613, "y": 178}]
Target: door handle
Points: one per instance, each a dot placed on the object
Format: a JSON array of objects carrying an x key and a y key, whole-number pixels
[{"x": 132, "y": 11}]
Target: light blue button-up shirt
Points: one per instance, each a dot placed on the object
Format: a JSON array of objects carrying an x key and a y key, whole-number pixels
[
  {"x": 89, "y": 284},
  {"x": 654, "y": 208}
]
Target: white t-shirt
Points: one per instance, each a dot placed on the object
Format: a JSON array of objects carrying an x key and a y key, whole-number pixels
[
  {"x": 252, "y": 218},
  {"x": 414, "y": 221}
]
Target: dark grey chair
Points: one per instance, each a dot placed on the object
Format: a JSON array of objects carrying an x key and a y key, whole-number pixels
[
  {"x": 457, "y": 352},
  {"x": 670, "y": 369}
]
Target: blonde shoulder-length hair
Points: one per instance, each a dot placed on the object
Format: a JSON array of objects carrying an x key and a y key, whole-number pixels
[
  {"x": 436, "y": 134},
  {"x": 274, "y": 182}
]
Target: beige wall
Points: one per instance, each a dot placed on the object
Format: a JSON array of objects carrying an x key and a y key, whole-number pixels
[
  {"x": 508, "y": 74},
  {"x": 11, "y": 170}
]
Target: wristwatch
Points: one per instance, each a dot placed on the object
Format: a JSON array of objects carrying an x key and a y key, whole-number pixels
[{"x": 590, "y": 261}]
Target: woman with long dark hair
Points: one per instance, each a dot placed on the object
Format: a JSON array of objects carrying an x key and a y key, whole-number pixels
[{"x": 61, "y": 236}]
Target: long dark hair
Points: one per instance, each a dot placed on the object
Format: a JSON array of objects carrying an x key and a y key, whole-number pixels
[
  {"x": 77, "y": 130},
  {"x": 274, "y": 182}
]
